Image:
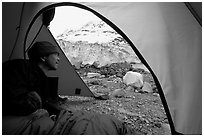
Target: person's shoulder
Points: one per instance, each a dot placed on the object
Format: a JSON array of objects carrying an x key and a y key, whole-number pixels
[{"x": 16, "y": 62}]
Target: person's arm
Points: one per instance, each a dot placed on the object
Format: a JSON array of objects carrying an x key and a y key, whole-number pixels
[
  {"x": 27, "y": 103},
  {"x": 16, "y": 94}
]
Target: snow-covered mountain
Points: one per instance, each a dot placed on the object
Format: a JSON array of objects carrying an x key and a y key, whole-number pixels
[{"x": 96, "y": 42}]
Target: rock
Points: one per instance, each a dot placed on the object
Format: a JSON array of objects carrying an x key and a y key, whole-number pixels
[
  {"x": 112, "y": 77},
  {"x": 166, "y": 128},
  {"x": 77, "y": 65},
  {"x": 101, "y": 97},
  {"x": 155, "y": 94},
  {"x": 140, "y": 66},
  {"x": 96, "y": 64},
  {"x": 158, "y": 125},
  {"x": 117, "y": 93},
  {"x": 102, "y": 76},
  {"x": 117, "y": 80},
  {"x": 119, "y": 74},
  {"x": 95, "y": 82},
  {"x": 147, "y": 87},
  {"x": 91, "y": 75},
  {"x": 122, "y": 110},
  {"x": 130, "y": 89},
  {"x": 134, "y": 79}
]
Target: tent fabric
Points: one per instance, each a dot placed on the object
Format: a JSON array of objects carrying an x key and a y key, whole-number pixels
[
  {"x": 166, "y": 34},
  {"x": 169, "y": 38}
]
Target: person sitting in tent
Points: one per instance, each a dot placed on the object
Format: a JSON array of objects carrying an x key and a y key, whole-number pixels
[
  {"x": 25, "y": 84},
  {"x": 29, "y": 108}
]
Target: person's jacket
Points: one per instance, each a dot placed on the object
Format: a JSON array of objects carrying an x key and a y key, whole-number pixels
[{"x": 23, "y": 86}]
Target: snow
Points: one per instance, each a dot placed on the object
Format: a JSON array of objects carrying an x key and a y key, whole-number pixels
[{"x": 100, "y": 33}]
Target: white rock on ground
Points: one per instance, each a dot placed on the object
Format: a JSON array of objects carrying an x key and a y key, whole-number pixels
[{"x": 133, "y": 79}]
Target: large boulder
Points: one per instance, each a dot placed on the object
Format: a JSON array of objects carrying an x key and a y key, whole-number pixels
[{"x": 134, "y": 79}]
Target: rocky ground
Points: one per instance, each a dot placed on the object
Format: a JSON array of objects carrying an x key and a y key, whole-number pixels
[{"x": 142, "y": 111}]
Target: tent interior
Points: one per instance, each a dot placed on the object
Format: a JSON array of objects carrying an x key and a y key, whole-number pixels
[{"x": 167, "y": 38}]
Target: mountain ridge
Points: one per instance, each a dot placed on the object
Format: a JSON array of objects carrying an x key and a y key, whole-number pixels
[{"x": 95, "y": 42}]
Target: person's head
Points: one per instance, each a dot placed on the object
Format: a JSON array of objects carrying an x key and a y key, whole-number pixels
[{"x": 45, "y": 54}]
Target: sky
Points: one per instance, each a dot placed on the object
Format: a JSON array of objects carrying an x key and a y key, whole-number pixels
[{"x": 68, "y": 17}]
